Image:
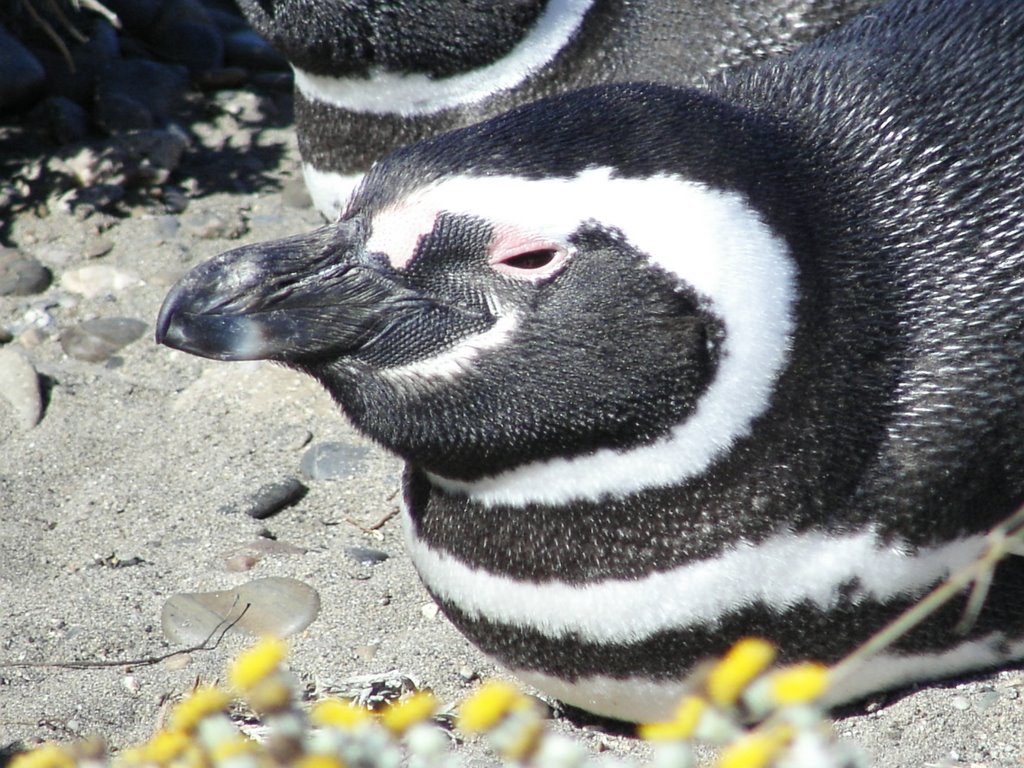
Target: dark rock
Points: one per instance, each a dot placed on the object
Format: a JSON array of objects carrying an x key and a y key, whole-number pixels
[
  {"x": 366, "y": 556},
  {"x": 97, "y": 340},
  {"x": 157, "y": 87},
  {"x": 21, "y": 275},
  {"x": 185, "y": 33},
  {"x": 222, "y": 78},
  {"x": 274, "y": 497},
  {"x": 247, "y": 49},
  {"x": 118, "y": 113},
  {"x": 23, "y": 74},
  {"x": 66, "y": 121},
  {"x": 103, "y": 43},
  {"x": 332, "y": 461}
]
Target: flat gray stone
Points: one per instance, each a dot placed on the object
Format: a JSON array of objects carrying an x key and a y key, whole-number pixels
[
  {"x": 97, "y": 340},
  {"x": 275, "y": 606}
]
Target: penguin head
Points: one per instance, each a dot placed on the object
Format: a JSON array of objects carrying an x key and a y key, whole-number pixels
[{"x": 565, "y": 279}]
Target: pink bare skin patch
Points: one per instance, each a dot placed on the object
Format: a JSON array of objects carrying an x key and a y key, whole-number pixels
[{"x": 396, "y": 231}]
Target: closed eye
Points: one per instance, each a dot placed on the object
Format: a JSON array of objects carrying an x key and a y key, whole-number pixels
[
  {"x": 531, "y": 259},
  {"x": 529, "y": 263}
]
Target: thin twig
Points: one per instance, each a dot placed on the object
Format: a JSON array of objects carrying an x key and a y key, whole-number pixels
[
  {"x": 1003, "y": 540},
  {"x": 50, "y": 33},
  {"x": 224, "y": 626},
  {"x": 66, "y": 22}
]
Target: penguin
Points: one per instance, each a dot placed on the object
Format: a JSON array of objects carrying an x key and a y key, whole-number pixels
[
  {"x": 370, "y": 77},
  {"x": 670, "y": 366}
]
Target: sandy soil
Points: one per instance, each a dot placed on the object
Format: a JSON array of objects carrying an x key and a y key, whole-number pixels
[{"x": 130, "y": 490}]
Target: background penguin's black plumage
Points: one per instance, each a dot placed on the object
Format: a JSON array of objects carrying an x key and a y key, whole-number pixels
[
  {"x": 351, "y": 43},
  {"x": 825, "y": 251}
]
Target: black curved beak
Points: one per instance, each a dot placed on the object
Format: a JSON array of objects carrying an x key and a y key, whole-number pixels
[{"x": 289, "y": 300}]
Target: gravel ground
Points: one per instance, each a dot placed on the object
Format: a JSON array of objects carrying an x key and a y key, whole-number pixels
[{"x": 127, "y": 469}]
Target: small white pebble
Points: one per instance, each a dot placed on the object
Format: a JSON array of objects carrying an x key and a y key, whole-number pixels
[
  {"x": 429, "y": 610},
  {"x": 131, "y": 684}
]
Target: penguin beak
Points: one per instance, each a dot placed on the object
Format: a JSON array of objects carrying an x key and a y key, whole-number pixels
[{"x": 291, "y": 300}]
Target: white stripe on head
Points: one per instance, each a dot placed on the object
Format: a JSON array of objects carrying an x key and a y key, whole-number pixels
[
  {"x": 455, "y": 360},
  {"x": 329, "y": 190},
  {"x": 642, "y": 700},
  {"x": 713, "y": 241},
  {"x": 781, "y": 572},
  {"x": 386, "y": 93}
]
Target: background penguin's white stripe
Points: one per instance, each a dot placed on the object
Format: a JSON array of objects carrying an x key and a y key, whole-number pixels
[
  {"x": 644, "y": 700},
  {"x": 778, "y": 573},
  {"x": 329, "y": 190},
  {"x": 713, "y": 241},
  {"x": 386, "y": 93}
]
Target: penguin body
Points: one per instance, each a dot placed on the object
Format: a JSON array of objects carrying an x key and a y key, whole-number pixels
[
  {"x": 670, "y": 367},
  {"x": 371, "y": 77}
]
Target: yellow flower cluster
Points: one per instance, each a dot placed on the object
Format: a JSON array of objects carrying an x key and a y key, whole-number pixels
[
  {"x": 335, "y": 733},
  {"x": 742, "y": 687}
]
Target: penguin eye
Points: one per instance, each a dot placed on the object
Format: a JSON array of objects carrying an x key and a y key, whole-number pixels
[
  {"x": 531, "y": 259},
  {"x": 531, "y": 264}
]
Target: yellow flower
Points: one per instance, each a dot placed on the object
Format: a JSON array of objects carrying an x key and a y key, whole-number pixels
[
  {"x": 46, "y": 756},
  {"x": 203, "y": 702},
  {"x": 800, "y": 683},
  {"x": 165, "y": 747},
  {"x": 338, "y": 714},
  {"x": 755, "y": 750},
  {"x": 681, "y": 726},
  {"x": 485, "y": 708},
  {"x": 399, "y": 717},
  {"x": 318, "y": 761},
  {"x": 519, "y": 735},
  {"x": 229, "y": 748},
  {"x": 256, "y": 664},
  {"x": 741, "y": 664},
  {"x": 268, "y": 696}
]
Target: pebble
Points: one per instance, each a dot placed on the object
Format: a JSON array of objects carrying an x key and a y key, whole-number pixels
[
  {"x": 23, "y": 75},
  {"x": 20, "y": 387},
  {"x": 98, "y": 280},
  {"x": 429, "y": 611},
  {"x": 210, "y": 225},
  {"x": 249, "y": 555},
  {"x": 959, "y": 702},
  {"x": 21, "y": 275},
  {"x": 6, "y": 337},
  {"x": 366, "y": 556},
  {"x": 96, "y": 247},
  {"x": 333, "y": 461},
  {"x": 277, "y": 606},
  {"x": 274, "y": 497},
  {"x": 97, "y": 340}
]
